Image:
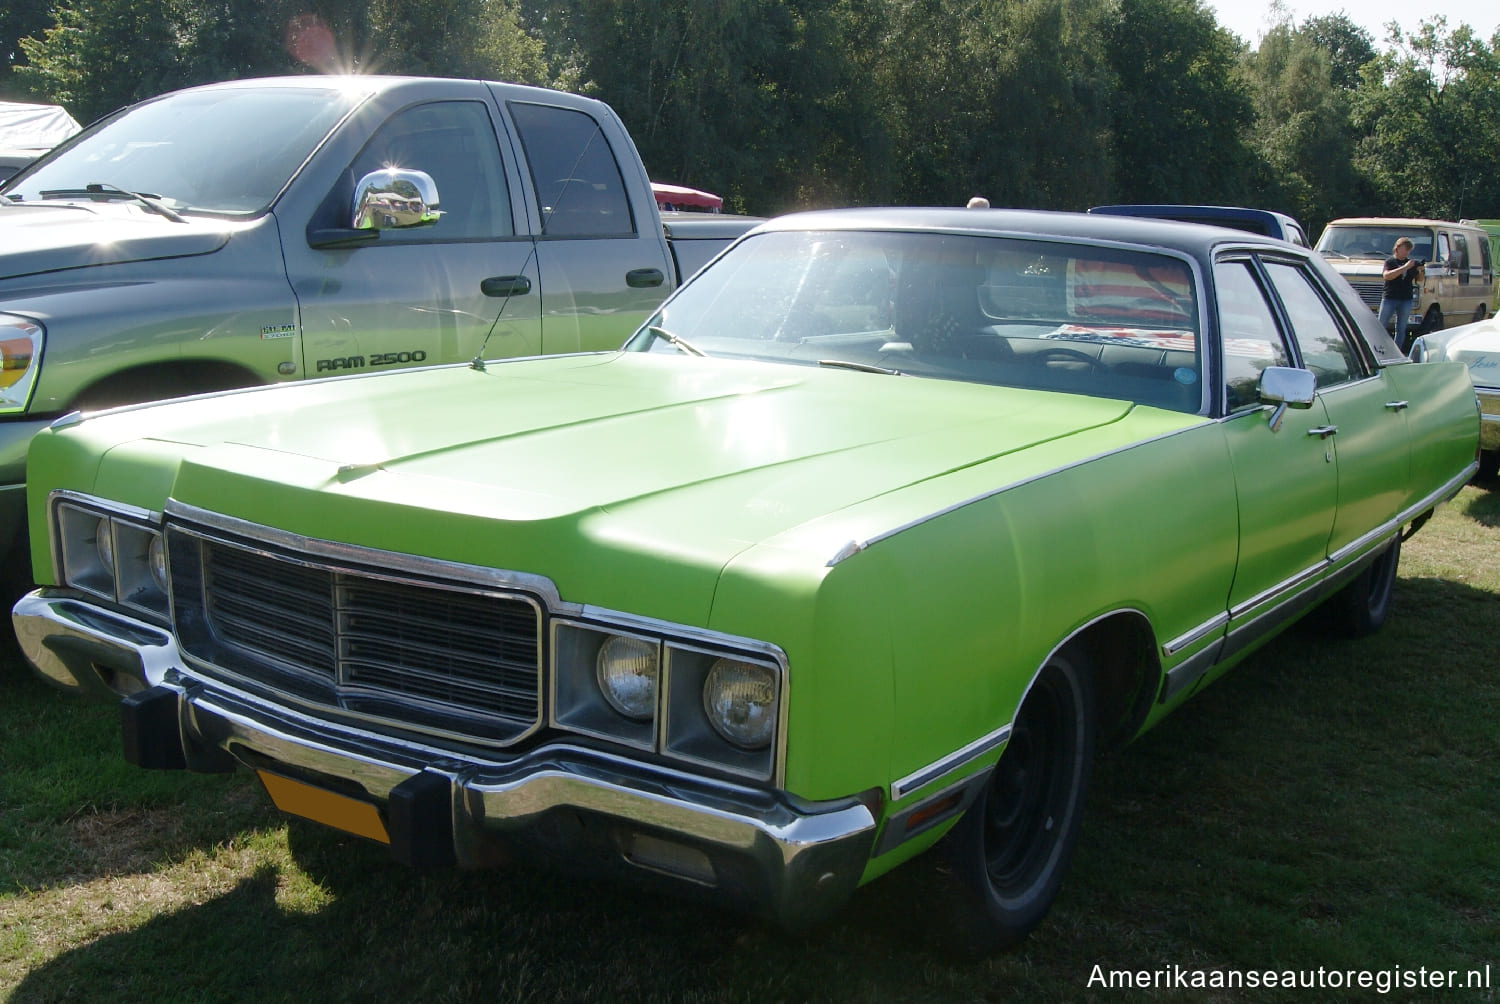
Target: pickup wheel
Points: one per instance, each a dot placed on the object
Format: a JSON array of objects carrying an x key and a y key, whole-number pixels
[
  {"x": 1361, "y": 607},
  {"x": 1432, "y": 320},
  {"x": 1480, "y": 313},
  {"x": 1007, "y": 855}
]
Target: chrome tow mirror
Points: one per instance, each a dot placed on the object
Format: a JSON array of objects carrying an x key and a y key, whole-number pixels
[{"x": 395, "y": 199}]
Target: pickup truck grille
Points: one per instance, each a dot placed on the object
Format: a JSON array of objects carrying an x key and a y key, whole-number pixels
[
  {"x": 448, "y": 658},
  {"x": 1369, "y": 290}
]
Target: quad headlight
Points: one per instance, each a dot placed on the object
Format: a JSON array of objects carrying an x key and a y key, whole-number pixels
[
  {"x": 117, "y": 555},
  {"x": 684, "y": 698},
  {"x": 20, "y": 359}
]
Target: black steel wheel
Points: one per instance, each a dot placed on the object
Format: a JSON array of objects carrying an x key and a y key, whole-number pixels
[
  {"x": 1361, "y": 607},
  {"x": 1006, "y": 857}
]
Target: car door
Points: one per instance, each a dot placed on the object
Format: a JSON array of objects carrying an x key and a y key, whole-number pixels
[
  {"x": 1366, "y": 429},
  {"x": 439, "y": 293},
  {"x": 1286, "y": 481},
  {"x": 603, "y": 258}
]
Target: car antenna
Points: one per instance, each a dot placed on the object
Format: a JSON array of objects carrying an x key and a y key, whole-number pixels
[{"x": 477, "y": 363}]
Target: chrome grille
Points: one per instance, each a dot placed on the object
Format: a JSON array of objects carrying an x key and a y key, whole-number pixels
[
  {"x": 1369, "y": 290},
  {"x": 436, "y": 656}
]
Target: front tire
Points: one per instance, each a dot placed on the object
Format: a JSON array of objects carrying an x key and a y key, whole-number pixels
[{"x": 1006, "y": 857}]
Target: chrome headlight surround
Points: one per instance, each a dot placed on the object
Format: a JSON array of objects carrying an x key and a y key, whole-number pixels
[
  {"x": 682, "y": 725},
  {"x": 21, "y": 343},
  {"x": 111, "y": 551}
]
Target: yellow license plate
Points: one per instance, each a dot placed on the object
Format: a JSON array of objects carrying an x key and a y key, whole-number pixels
[{"x": 339, "y": 811}]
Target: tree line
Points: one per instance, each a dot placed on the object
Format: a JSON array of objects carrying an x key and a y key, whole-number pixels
[{"x": 785, "y": 104}]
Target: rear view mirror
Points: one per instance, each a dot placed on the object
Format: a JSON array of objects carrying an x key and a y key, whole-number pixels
[
  {"x": 1286, "y": 387},
  {"x": 394, "y": 199}
]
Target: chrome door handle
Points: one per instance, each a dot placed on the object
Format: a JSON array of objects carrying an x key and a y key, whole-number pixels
[
  {"x": 1396, "y": 405},
  {"x": 1324, "y": 431}
]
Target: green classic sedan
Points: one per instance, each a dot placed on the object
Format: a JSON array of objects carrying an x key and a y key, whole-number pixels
[{"x": 864, "y": 544}]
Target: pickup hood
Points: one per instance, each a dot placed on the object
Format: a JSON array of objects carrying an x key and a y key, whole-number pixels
[
  {"x": 60, "y": 234},
  {"x": 591, "y": 467}
]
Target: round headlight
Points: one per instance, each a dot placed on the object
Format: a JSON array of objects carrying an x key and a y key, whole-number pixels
[
  {"x": 740, "y": 701},
  {"x": 104, "y": 543},
  {"x": 156, "y": 558},
  {"x": 627, "y": 676}
]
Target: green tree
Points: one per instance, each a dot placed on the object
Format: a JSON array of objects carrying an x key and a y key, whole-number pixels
[
  {"x": 1303, "y": 134},
  {"x": 18, "y": 19},
  {"x": 1348, "y": 46},
  {"x": 1428, "y": 110},
  {"x": 1181, "y": 109}
]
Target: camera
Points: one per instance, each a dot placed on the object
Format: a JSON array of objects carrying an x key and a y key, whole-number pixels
[{"x": 1418, "y": 262}]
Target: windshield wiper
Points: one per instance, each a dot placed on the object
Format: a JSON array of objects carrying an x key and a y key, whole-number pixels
[
  {"x": 95, "y": 189},
  {"x": 1329, "y": 251},
  {"x": 674, "y": 341},
  {"x": 845, "y": 364}
]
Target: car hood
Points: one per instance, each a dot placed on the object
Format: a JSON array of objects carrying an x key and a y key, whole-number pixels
[
  {"x": 598, "y": 468},
  {"x": 1477, "y": 346},
  {"x": 55, "y": 235}
]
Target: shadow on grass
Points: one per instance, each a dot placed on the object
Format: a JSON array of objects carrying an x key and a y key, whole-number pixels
[{"x": 1325, "y": 804}]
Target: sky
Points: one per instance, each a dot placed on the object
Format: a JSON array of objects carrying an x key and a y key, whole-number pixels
[{"x": 1248, "y": 18}]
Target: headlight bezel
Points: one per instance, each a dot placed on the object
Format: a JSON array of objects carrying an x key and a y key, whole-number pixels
[
  {"x": 680, "y": 730},
  {"x": 76, "y": 523},
  {"x": 19, "y": 367}
]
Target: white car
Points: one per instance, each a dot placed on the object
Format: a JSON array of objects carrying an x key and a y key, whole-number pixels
[{"x": 1478, "y": 346}]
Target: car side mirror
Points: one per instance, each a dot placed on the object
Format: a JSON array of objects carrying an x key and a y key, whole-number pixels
[
  {"x": 1286, "y": 387},
  {"x": 395, "y": 199}
]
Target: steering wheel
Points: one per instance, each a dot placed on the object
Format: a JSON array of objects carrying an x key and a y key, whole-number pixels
[{"x": 1071, "y": 355}]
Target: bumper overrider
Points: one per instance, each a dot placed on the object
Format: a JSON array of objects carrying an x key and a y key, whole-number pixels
[{"x": 561, "y": 803}]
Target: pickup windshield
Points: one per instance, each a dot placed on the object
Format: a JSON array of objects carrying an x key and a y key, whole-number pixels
[
  {"x": 223, "y": 151},
  {"x": 1072, "y": 317},
  {"x": 1373, "y": 241}
]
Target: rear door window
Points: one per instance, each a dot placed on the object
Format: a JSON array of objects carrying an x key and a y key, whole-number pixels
[{"x": 574, "y": 171}]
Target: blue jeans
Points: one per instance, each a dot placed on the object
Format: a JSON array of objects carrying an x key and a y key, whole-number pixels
[{"x": 1402, "y": 311}]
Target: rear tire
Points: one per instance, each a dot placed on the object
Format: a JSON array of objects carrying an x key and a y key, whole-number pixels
[
  {"x": 1006, "y": 857},
  {"x": 1361, "y": 607},
  {"x": 1480, "y": 313}
]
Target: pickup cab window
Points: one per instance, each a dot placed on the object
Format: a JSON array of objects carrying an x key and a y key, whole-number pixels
[
  {"x": 454, "y": 142},
  {"x": 574, "y": 171}
]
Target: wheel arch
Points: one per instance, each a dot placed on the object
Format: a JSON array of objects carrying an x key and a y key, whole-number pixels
[
  {"x": 1122, "y": 652},
  {"x": 165, "y": 379}
]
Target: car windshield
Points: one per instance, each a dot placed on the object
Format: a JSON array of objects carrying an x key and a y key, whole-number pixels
[
  {"x": 1049, "y": 315},
  {"x": 1373, "y": 241},
  {"x": 228, "y": 151}
]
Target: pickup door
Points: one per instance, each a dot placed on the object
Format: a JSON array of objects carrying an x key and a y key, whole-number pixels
[{"x": 476, "y": 280}]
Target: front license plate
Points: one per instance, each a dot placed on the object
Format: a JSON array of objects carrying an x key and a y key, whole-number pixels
[{"x": 339, "y": 811}]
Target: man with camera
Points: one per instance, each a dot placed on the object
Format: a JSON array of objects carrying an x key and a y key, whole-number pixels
[{"x": 1401, "y": 271}]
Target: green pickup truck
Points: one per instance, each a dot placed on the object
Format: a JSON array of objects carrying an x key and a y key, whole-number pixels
[{"x": 268, "y": 230}]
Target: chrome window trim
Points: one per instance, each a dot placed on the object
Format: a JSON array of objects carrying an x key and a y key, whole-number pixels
[{"x": 853, "y": 547}]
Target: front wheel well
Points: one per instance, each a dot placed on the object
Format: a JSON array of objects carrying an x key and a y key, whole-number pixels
[
  {"x": 157, "y": 381},
  {"x": 1121, "y": 649}
]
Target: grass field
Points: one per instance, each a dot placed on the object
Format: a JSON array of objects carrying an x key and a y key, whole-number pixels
[{"x": 1327, "y": 805}]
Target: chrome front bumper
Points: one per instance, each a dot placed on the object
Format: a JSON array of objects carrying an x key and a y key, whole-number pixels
[{"x": 579, "y": 808}]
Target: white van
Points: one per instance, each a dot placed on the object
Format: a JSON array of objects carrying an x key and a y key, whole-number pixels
[{"x": 1460, "y": 282}]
